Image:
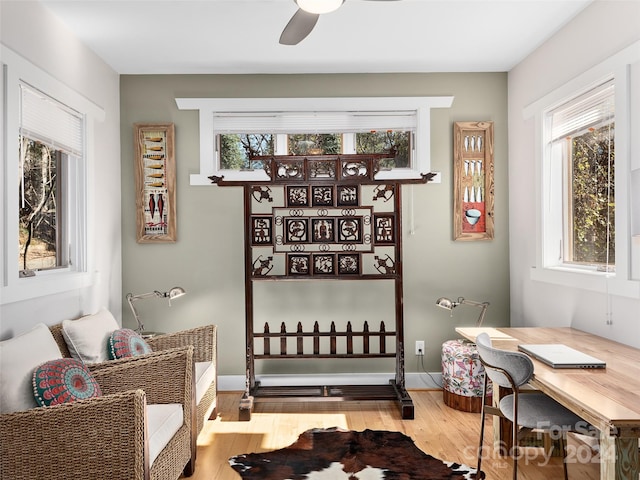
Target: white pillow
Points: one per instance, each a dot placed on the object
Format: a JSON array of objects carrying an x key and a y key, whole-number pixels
[
  {"x": 19, "y": 357},
  {"x": 88, "y": 337}
]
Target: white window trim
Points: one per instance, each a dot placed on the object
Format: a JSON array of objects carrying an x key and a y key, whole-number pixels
[
  {"x": 207, "y": 106},
  {"x": 622, "y": 282},
  {"x": 13, "y": 288}
]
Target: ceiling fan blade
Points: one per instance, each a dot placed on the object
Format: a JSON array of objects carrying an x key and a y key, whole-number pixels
[{"x": 298, "y": 27}]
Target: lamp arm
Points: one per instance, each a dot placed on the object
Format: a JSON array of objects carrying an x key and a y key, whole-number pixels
[
  {"x": 175, "y": 292},
  {"x": 140, "y": 296},
  {"x": 483, "y": 305},
  {"x": 130, "y": 299},
  {"x": 482, "y": 313},
  {"x": 473, "y": 302}
]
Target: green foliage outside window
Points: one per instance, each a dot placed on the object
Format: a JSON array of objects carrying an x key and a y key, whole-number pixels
[
  {"x": 384, "y": 142},
  {"x": 315, "y": 144},
  {"x": 593, "y": 196},
  {"x": 237, "y": 151}
]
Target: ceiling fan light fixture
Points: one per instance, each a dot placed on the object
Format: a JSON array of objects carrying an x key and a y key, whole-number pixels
[{"x": 319, "y": 6}]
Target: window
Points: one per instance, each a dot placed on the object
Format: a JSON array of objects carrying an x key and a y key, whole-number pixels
[
  {"x": 580, "y": 210},
  {"x": 397, "y": 143},
  {"x": 584, "y": 163},
  {"x": 47, "y": 144},
  {"x": 314, "y": 144},
  {"x": 312, "y": 133},
  {"x": 50, "y": 146},
  {"x": 239, "y": 151},
  {"x": 232, "y": 131}
]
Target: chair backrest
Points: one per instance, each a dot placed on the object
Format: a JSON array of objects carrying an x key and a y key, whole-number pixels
[
  {"x": 56, "y": 331},
  {"x": 518, "y": 365}
]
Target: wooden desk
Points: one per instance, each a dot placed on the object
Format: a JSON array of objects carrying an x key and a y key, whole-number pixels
[{"x": 608, "y": 398}]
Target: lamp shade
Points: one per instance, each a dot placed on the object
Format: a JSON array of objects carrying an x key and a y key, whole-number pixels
[
  {"x": 176, "y": 292},
  {"x": 445, "y": 303},
  {"x": 319, "y": 6}
]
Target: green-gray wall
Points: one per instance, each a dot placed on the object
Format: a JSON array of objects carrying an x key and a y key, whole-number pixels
[{"x": 207, "y": 259}]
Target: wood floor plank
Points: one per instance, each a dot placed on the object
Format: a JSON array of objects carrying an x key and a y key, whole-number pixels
[{"x": 437, "y": 429}]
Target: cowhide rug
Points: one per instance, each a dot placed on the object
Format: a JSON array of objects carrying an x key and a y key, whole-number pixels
[{"x": 335, "y": 454}]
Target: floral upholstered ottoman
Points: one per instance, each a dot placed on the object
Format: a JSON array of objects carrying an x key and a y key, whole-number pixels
[{"x": 462, "y": 376}]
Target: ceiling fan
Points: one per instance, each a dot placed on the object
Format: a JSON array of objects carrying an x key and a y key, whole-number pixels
[{"x": 306, "y": 18}]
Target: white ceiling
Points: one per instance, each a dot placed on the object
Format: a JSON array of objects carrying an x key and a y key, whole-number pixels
[{"x": 241, "y": 36}]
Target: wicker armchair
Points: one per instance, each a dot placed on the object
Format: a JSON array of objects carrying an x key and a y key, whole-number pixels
[
  {"x": 105, "y": 437},
  {"x": 204, "y": 342}
]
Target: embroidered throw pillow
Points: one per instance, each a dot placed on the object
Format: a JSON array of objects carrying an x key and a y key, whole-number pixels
[
  {"x": 63, "y": 380},
  {"x": 125, "y": 343}
]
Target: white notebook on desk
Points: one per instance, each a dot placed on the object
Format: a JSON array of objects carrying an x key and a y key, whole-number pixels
[{"x": 558, "y": 355}]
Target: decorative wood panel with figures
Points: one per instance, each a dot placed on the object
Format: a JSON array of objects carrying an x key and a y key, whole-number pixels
[
  {"x": 473, "y": 199},
  {"x": 155, "y": 181},
  {"x": 324, "y": 217}
]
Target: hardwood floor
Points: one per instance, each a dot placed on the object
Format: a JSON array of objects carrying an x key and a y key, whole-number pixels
[{"x": 443, "y": 432}]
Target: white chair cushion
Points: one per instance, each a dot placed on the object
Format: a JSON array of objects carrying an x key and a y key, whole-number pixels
[
  {"x": 205, "y": 375},
  {"x": 19, "y": 357},
  {"x": 88, "y": 337},
  {"x": 163, "y": 422}
]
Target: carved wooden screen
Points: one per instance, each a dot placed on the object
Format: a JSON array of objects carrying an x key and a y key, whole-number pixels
[
  {"x": 323, "y": 230},
  {"x": 324, "y": 217}
]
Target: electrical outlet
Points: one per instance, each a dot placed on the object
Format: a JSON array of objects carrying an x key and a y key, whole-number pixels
[{"x": 419, "y": 347}]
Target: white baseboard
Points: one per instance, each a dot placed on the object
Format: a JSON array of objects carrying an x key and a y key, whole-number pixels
[{"x": 412, "y": 380}]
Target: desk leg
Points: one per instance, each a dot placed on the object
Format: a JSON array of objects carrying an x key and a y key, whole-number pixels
[{"x": 618, "y": 458}]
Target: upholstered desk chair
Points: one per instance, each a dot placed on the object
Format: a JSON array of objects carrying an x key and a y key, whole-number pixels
[{"x": 527, "y": 411}]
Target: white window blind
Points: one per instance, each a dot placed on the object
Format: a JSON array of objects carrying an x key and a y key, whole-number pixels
[
  {"x": 589, "y": 110},
  {"x": 50, "y": 122},
  {"x": 312, "y": 122}
]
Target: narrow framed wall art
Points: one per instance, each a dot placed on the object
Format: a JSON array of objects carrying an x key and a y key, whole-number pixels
[
  {"x": 473, "y": 186},
  {"x": 155, "y": 183}
]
